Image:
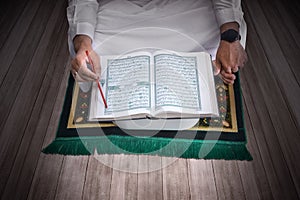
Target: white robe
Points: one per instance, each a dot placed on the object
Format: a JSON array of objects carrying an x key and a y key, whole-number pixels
[{"x": 122, "y": 26}]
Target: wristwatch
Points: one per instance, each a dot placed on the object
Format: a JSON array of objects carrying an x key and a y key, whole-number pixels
[{"x": 230, "y": 35}]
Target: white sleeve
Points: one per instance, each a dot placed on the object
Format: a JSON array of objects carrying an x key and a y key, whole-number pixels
[
  {"x": 228, "y": 11},
  {"x": 82, "y": 18}
]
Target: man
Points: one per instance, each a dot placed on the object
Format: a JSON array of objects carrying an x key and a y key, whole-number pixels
[{"x": 118, "y": 26}]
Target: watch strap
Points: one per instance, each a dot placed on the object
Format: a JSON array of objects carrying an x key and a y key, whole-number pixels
[{"x": 230, "y": 35}]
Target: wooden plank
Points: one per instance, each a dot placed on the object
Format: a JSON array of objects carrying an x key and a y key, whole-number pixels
[
  {"x": 150, "y": 181},
  {"x": 279, "y": 66},
  {"x": 291, "y": 9},
  {"x": 26, "y": 102},
  {"x": 251, "y": 183},
  {"x": 201, "y": 179},
  {"x": 72, "y": 177},
  {"x": 263, "y": 130},
  {"x": 15, "y": 38},
  {"x": 27, "y": 157},
  {"x": 285, "y": 32},
  {"x": 155, "y": 177},
  {"x": 143, "y": 179},
  {"x": 45, "y": 191},
  {"x": 276, "y": 111},
  {"x": 48, "y": 161},
  {"x": 253, "y": 174},
  {"x": 289, "y": 12},
  {"x": 54, "y": 121},
  {"x": 124, "y": 181},
  {"x": 268, "y": 145},
  {"x": 175, "y": 178},
  {"x": 228, "y": 180},
  {"x": 44, "y": 184},
  {"x": 9, "y": 15},
  {"x": 98, "y": 179},
  {"x": 27, "y": 55}
]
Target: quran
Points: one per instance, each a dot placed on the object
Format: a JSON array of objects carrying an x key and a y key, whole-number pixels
[{"x": 158, "y": 85}]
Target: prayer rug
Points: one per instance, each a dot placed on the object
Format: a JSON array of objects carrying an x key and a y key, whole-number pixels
[{"x": 223, "y": 137}]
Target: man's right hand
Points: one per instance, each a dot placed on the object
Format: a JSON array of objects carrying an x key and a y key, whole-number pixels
[{"x": 80, "y": 70}]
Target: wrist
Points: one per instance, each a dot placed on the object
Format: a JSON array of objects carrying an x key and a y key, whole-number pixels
[{"x": 82, "y": 43}]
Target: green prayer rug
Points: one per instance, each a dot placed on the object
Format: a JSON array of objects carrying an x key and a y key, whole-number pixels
[{"x": 223, "y": 137}]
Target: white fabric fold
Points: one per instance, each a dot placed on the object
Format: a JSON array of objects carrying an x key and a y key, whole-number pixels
[{"x": 120, "y": 26}]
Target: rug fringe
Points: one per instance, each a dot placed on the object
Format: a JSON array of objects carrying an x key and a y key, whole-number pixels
[{"x": 169, "y": 147}]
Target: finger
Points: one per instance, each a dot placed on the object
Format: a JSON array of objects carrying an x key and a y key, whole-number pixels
[
  {"x": 95, "y": 69},
  {"x": 75, "y": 65},
  {"x": 87, "y": 74},
  {"x": 235, "y": 69},
  {"x": 74, "y": 74},
  {"x": 226, "y": 80},
  {"x": 98, "y": 69},
  {"x": 227, "y": 75},
  {"x": 80, "y": 79},
  {"x": 226, "y": 68},
  {"x": 95, "y": 60},
  {"x": 217, "y": 67}
]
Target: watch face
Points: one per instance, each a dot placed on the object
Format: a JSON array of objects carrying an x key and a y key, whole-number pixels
[{"x": 230, "y": 35}]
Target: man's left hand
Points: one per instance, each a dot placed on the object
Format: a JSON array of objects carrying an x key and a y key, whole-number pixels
[{"x": 230, "y": 57}]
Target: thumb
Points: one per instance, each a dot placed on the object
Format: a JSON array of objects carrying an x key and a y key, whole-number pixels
[
  {"x": 217, "y": 67},
  {"x": 87, "y": 74}
]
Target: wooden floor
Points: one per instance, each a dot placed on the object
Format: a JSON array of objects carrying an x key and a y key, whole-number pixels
[{"x": 34, "y": 64}]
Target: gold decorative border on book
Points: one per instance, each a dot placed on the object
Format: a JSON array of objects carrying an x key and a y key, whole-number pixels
[{"x": 232, "y": 127}]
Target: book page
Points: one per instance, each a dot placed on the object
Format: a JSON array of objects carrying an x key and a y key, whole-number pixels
[
  {"x": 176, "y": 81},
  {"x": 127, "y": 86},
  {"x": 184, "y": 84}
]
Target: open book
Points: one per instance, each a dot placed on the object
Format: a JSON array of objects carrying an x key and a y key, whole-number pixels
[{"x": 155, "y": 85}]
